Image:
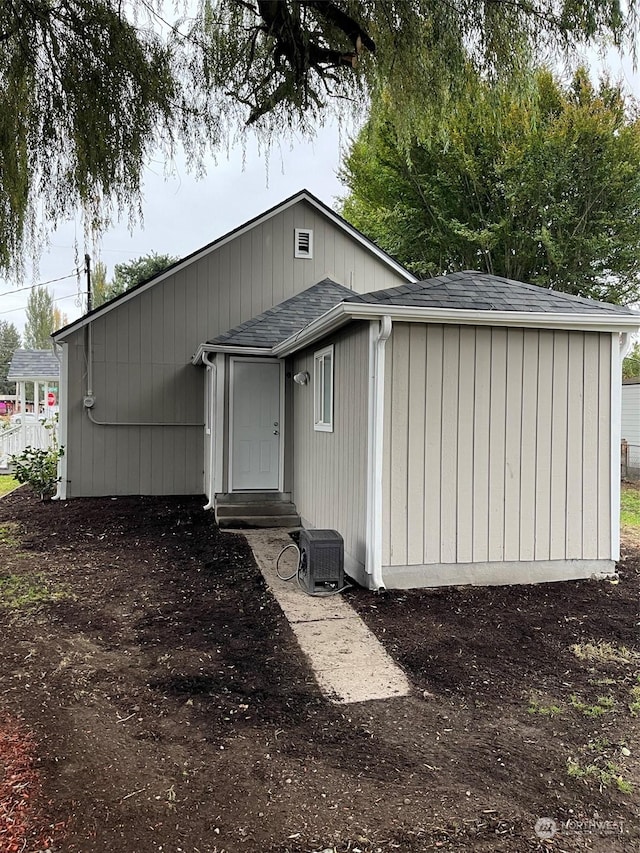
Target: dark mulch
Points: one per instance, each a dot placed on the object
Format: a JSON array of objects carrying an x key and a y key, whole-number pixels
[{"x": 172, "y": 710}]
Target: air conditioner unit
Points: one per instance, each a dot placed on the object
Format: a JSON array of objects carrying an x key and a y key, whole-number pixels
[{"x": 321, "y": 560}]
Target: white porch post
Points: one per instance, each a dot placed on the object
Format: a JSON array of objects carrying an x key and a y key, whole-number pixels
[{"x": 23, "y": 409}]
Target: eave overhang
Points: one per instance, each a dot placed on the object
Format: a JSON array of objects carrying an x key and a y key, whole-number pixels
[{"x": 345, "y": 312}]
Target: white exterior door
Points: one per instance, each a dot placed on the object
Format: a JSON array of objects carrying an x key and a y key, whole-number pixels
[{"x": 255, "y": 425}]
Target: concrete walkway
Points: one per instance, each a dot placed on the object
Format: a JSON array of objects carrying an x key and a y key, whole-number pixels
[{"x": 348, "y": 662}]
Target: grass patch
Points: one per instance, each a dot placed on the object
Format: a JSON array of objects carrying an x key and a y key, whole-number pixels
[
  {"x": 551, "y": 710},
  {"x": 603, "y": 705},
  {"x": 600, "y": 764},
  {"x": 7, "y": 483},
  {"x": 8, "y": 534},
  {"x": 25, "y": 592},
  {"x": 634, "y": 704},
  {"x": 630, "y": 507},
  {"x": 603, "y": 652},
  {"x": 604, "y": 774}
]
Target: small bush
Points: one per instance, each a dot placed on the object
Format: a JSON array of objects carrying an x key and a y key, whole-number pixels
[{"x": 38, "y": 468}]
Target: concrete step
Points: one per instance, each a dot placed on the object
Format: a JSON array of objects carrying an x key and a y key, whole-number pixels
[
  {"x": 251, "y": 497},
  {"x": 241, "y": 521},
  {"x": 256, "y": 508}
]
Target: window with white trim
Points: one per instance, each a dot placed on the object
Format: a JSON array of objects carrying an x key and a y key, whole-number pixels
[
  {"x": 303, "y": 247},
  {"x": 323, "y": 389}
]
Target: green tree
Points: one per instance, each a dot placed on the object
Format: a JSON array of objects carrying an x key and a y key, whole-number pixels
[
  {"x": 128, "y": 275},
  {"x": 631, "y": 364},
  {"x": 9, "y": 343},
  {"x": 100, "y": 287},
  {"x": 40, "y": 319},
  {"x": 546, "y": 193},
  {"x": 89, "y": 88}
]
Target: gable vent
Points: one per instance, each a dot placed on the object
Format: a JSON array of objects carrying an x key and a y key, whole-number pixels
[{"x": 304, "y": 243}]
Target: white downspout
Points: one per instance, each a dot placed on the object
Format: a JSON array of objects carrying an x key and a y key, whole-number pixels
[
  {"x": 62, "y": 354},
  {"x": 211, "y": 372},
  {"x": 378, "y": 336},
  {"x": 620, "y": 346}
]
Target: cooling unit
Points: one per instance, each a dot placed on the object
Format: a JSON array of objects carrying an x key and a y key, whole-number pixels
[{"x": 321, "y": 560}]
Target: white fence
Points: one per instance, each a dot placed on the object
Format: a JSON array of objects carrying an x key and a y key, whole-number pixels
[{"x": 14, "y": 439}]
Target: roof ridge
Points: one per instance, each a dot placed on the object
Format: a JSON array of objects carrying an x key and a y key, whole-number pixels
[{"x": 572, "y": 297}]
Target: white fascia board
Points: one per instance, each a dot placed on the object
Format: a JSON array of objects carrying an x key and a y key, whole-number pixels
[
  {"x": 527, "y": 319},
  {"x": 338, "y": 221},
  {"x": 229, "y": 350},
  {"x": 328, "y": 322},
  {"x": 346, "y": 311}
]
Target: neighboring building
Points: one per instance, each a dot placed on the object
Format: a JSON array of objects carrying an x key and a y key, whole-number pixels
[
  {"x": 459, "y": 430},
  {"x": 631, "y": 427},
  {"x": 33, "y": 423}
]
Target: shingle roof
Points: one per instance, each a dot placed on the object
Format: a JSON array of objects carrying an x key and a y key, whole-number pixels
[
  {"x": 477, "y": 291},
  {"x": 468, "y": 290},
  {"x": 286, "y": 318},
  {"x": 29, "y": 364}
]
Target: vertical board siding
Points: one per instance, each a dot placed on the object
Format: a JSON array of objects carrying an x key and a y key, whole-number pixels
[
  {"x": 481, "y": 411},
  {"x": 433, "y": 439},
  {"x": 330, "y": 468},
  {"x": 144, "y": 346},
  {"x": 497, "y": 445},
  {"x": 416, "y": 492},
  {"x": 465, "y": 447}
]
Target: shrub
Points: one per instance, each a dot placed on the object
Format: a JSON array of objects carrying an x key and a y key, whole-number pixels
[{"x": 38, "y": 468}]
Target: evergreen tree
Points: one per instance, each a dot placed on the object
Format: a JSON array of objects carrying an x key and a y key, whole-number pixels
[
  {"x": 9, "y": 343},
  {"x": 40, "y": 319},
  {"x": 100, "y": 287},
  {"x": 128, "y": 275}
]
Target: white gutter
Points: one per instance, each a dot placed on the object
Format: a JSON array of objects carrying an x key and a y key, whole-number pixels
[
  {"x": 203, "y": 349},
  {"x": 378, "y": 336},
  {"x": 63, "y": 403},
  {"x": 346, "y": 311},
  {"x": 620, "y": 346}
]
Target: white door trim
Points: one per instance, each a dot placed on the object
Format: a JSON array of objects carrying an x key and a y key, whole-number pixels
[{"x": 232, "y": 361}]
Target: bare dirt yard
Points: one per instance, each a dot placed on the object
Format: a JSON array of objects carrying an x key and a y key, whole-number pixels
[{"x": 153, "y": 698}]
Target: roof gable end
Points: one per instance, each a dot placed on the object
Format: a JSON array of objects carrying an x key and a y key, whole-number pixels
[{"x": 301, "y": 196}]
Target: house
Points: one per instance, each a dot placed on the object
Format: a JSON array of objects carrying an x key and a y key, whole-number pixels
[
  {"x": 631, "y": 427},
  {"x": 465, "y": 429},
  {"x": 40, "y": 370}
]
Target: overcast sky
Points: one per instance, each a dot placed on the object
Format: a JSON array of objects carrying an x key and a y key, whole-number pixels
[{"x": 182, "y": 213}]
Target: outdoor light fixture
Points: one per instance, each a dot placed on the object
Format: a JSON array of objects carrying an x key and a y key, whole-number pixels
[{"x": 302, "y": 378}]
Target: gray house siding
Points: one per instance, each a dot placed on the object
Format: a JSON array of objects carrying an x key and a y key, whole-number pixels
[
  {"x": 143, "y": 345},
  {"x": 631, "y": 428},
  {"x": 496, "y": 454},
  {"x": 330, "y": 468}
]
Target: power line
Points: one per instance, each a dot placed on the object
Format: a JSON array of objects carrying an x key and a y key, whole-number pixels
[
  {"x": 42, "y": 283},
  {"x": 57, "y": 299}
]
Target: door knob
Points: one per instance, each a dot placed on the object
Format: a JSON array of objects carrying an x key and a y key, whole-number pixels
[{"x": 275, "y": 432}]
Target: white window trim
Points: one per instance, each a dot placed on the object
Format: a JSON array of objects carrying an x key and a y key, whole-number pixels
[
  {"x": 298, "y": 253},
  {"x": 319, "y": 362}
]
